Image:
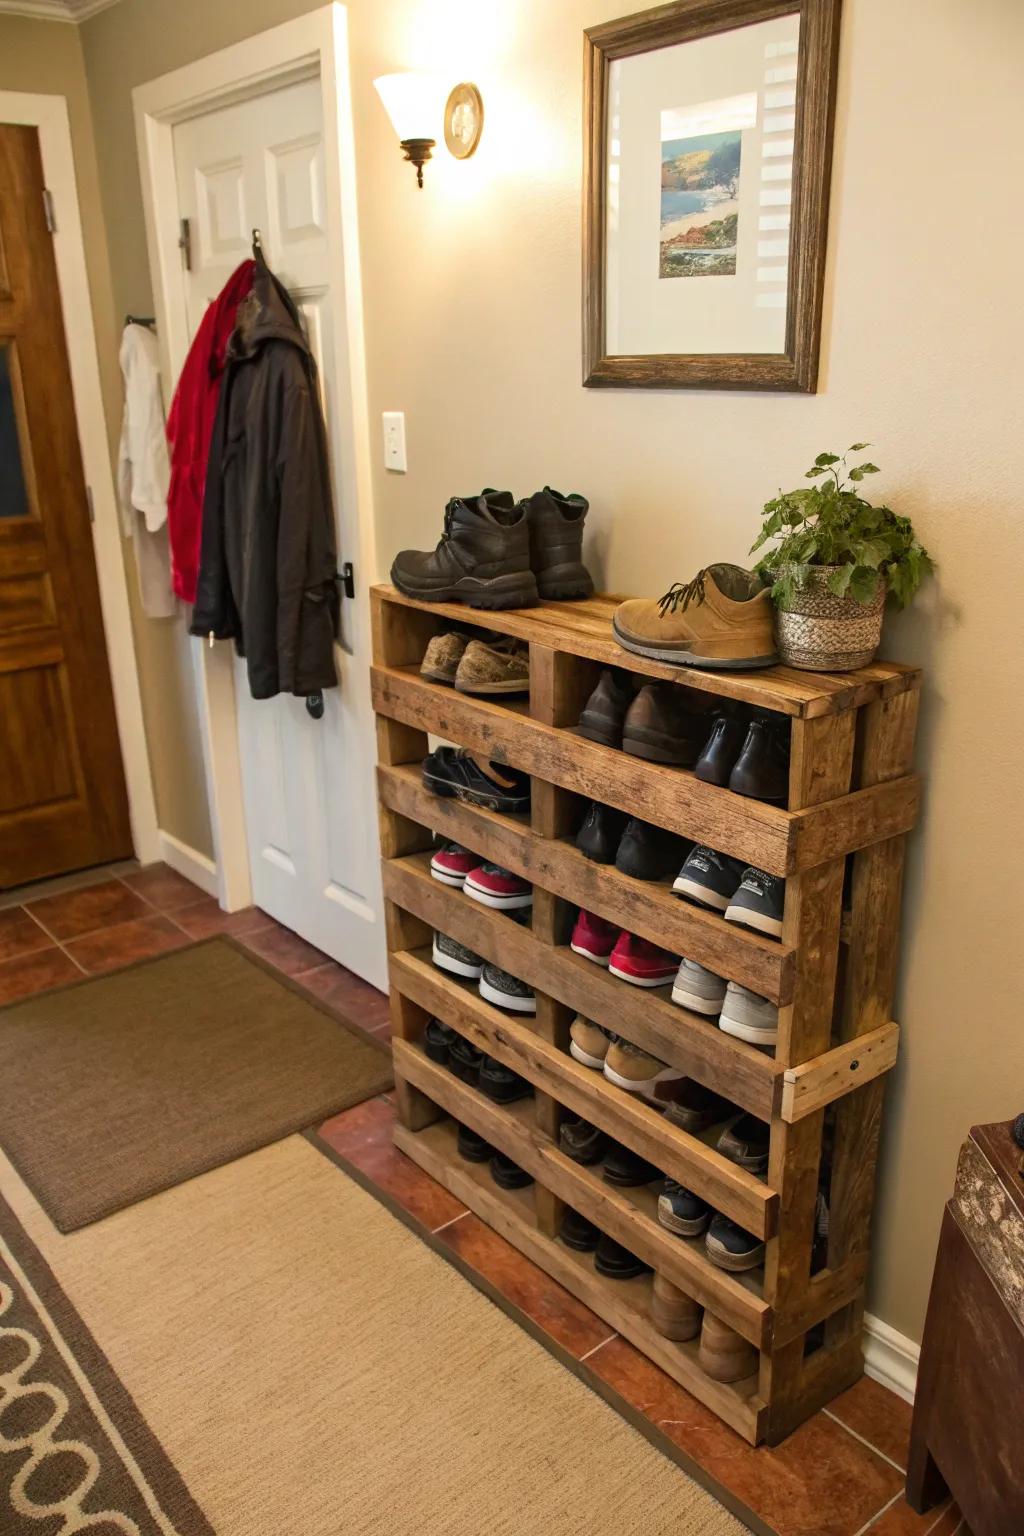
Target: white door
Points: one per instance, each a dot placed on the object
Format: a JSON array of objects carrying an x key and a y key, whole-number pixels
[{"x": 308, "y": 785}]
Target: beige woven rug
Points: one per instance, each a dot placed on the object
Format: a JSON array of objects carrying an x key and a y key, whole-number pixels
[{"x": 307, "y": 1367}]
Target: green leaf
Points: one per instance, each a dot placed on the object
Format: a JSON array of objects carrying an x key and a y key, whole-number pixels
[
  {"x": 839, "y": 580},
  {"x": 857, "y": 447},
  {"x": 820, "y": 470},
  {"x": 873, "y": 552},
  {"x": 864, "y": 584},
  {"x": 870, "y": 469},
  {"x": 827, "y": 458},
  {"x": 856, "y": 474}
]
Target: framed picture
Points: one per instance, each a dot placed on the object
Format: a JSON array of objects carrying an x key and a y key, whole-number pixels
[{"x": 707, "y": 161}]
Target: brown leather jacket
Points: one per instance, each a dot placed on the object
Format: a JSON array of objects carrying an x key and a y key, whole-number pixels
[{"x": 268, "y": 563}]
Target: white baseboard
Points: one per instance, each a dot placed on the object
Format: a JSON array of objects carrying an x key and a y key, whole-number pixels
[
  {"x": 195, "y": 866},
  {"x": 890, "y": 1357}
]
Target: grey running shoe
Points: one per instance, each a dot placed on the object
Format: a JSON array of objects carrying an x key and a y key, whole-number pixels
[
  {"x": 748, "y": 1016},
  {"x": 456, "y": 958},
  {"x": 709, "y": 877},
  {"x": 505, "y": 991},
  {"x": 758, "y": 902},
  {"x": 698, "y": 988}
]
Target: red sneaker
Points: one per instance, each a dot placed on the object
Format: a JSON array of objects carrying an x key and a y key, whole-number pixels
[
  {"x": 497, "y": 887},
  {"x": 641, "y": 962},
  {"x": 452, "y": 863},
  {"x": 593, "y": 937}
]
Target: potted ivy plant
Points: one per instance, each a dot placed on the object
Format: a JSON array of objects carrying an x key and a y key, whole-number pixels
[{"x": 834, "y": 560}]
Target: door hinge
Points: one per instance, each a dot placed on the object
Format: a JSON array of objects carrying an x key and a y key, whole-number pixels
[
  {"x": 89, "y": 503},
  {"x": 185, "y": 243},
  {"x": 49, "y": 211}
]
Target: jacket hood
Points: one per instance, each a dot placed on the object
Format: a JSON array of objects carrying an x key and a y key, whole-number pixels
[{"x": 267, "y": 313}]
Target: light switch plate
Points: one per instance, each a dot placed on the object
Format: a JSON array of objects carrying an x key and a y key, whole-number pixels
[{"x": 394, "y": 440}]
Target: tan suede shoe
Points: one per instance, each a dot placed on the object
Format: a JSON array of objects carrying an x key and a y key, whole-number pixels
[{"x": 720, "y": 619}]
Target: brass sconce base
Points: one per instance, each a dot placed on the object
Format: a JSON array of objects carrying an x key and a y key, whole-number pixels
[{"x": 418, "y": 152}]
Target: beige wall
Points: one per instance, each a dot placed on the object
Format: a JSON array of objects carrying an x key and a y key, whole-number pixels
[{"x": 472, "y": 294}]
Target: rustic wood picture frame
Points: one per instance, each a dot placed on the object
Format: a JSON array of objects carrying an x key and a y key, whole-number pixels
[{"x": 796, "y": 368}]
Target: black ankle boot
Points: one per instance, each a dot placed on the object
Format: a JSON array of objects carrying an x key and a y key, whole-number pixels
[
  {"x": 556, "y": 544},
  {"x": 762, "y": 768},
  {"x": 598, "y": 837},
  {"x": 482, "y": 557}
]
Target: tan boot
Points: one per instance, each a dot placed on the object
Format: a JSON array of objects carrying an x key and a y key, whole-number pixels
[
  {"x": 722, "y": 618},
  {"x": 673, "y": 1313},
  {"x": 723, "y": 1355}
]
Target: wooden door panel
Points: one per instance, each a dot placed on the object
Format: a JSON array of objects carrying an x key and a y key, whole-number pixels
[{"x": 63, "y": 802}]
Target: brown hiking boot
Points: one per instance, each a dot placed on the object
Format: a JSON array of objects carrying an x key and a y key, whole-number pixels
[
  {"x": 720, "y": 619},
  {"x": 494, "y": 666}
]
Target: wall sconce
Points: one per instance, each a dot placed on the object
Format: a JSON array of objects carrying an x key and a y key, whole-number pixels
[{"x": 420, "y": 111}]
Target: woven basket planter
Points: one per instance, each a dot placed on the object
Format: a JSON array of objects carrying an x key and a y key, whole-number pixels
[{"x": 825, "y": 633}]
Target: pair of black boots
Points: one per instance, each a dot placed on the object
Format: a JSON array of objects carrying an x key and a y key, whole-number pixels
[
  {"x": 496, "y": 552},
  {"x": 474, "y": 1148},
  {"x": 747, "y": 753},
  {"x": 635, "y": 847},
  {"x": 610, "y": 1258}
]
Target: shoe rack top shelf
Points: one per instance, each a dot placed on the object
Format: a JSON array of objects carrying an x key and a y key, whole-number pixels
[{"x": 585, "y": 629}]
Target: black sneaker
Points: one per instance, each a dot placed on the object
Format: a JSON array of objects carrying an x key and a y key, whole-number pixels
[
  {"x": 730, "y": 1247},
  {"x": 464, "y": 1060},
  {"x": 758, "y": 902},
  {"x": 449, "y": 955},
  {"x": 507, "y": 1174},
  {"x": 649, "y": 853},
  {"x": 721, "y": 750},
  {"x": 438, "y": 1039},
  {"x": 500, "y": 1083},
  {"x": 556, "y": 544},
  {"x": 505, "y": 991},
  {"x": 746, "y": 1142},
  {"x": 454, "y": 771},
  {"x": 471, "y": 1145},
  {"x": 626, "y": 1169},
  {"x": 693, "y": 1107},
  {"x": 709, "y": 877},
  {"x": 681, "y": 1211},
  {"x": 762, "y": 768},
  {"x": 581, "y": 1141},
  {"x": 598, "y": 837},
  {"x": 611, "y": 1259},
  {"x": 482, "y": 557},
  {"x": 577, "y": 1232},
  {"x": 605, "y": 711}
]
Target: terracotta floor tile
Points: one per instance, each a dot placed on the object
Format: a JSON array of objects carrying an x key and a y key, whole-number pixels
[
  {"x": 28, "y": 974},
  {"x": 203, "y": 918},
  {"x": 878, "y": 1416},
  {"x": 163, "y": 888},
  {"x": 95, "y": 906},
  {"x": 111, "y": 948},
  {"x": 363, "y": 1135},
  {"x": 282, "y": 948},
  {"x": 352, "y": 996},
  {"x": 20, "y": 934},
  {"x": 567, "y": 1320},
  {"x": 900, "y": 1520},
  {"x": 383, "y": 1031}
]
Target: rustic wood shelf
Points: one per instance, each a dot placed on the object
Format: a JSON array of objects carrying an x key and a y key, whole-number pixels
[{"x": 852, "y": 799}]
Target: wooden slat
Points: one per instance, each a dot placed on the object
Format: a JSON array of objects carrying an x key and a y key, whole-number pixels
[
  {"x": 838, "y": 1072},
  {"x": 623, "y": 1304}
]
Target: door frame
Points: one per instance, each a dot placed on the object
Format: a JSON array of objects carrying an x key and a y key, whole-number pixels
[
  {"x": 312, "y": 46},
  {"x": 49, "y": 115}
]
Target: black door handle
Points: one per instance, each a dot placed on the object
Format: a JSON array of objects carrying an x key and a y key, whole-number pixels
[{"x": 347, "y": 577}]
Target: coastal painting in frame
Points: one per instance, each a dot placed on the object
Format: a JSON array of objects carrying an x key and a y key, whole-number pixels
[{"x": 706, "y": 192}]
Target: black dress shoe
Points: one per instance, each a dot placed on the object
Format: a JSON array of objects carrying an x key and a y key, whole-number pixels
[
  {"x": 598, "y": 838},
  {"x": 649, "y": 853},
  {"x": 581, "y": 1141},
  {"x": 577, "y": 1232},
  {"x": 762, "y": 768},
  {"x": 507, "y": 1174},
  {"x": 616, "y": 1262},
  {"x": 438, "y": 1040},
  {"x": 605, "y": 711},
  {"x": 455, "y": 772},
  {"x": 464, "y": 1061},
  {"x": 721, "y": 750},
  {"x": 500, "y": 1083},
  {"x": 472, "y": 1145},
  {"x": 626, "y": 1168}
]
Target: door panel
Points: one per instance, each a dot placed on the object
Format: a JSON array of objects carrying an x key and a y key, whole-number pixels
[{"x": 63, "y": 802}]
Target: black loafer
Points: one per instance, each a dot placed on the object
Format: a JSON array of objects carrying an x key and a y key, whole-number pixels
[
  {"x": 472, "y": 1147},
  {"x": 577, "y": 1232},
  {"x": 626, "y": 1168},
  {"x": 616, "y": 1262},
  {"x": 507, "y": 1174},
  {"x": 500, "y": 1083},
  {"x": 464, "y": 1061},
  {"x": 581, "y": 1141},
  {"x": 438, "y": 1039}
]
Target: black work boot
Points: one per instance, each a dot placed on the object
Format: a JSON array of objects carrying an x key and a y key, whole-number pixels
[
  {"x": 762, "y": 768},
  {"x": 556, "y": 544},
  {"x": 482, "y": 558}
]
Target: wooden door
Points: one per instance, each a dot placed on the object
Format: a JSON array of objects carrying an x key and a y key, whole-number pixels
[{"x": 63, "y": 802}]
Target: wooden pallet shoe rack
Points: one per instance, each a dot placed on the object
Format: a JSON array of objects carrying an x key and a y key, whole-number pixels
[{"x": 839, "y": 842}]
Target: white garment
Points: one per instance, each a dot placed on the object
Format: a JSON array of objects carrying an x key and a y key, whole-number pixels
[{"x": 143, "y": 472}]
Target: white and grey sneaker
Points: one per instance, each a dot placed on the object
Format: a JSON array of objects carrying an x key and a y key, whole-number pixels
[
  {"x": 758, "y": 902},
  {"x": 748, "y": 1016},
  {"x": 451, "y": 956},
  {"x": 698, "y": 988},
  {"x": 505, "y": 991},
  {"x": 708, "y": 877}
]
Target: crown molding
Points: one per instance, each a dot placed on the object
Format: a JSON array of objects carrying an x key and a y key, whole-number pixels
[{"x": 54, "y": 10}]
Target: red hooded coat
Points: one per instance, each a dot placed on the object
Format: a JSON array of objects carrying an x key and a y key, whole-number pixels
[{"x": 190, "y": 428}]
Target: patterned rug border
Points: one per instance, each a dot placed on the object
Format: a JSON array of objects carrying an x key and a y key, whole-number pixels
[{"x": 163, "y": 1480}]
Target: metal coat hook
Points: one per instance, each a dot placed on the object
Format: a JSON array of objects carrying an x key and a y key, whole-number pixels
[{"x": 257, "y": 243}]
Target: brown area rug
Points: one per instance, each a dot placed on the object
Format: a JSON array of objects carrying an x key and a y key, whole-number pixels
[{"x": 120, "y": 1086}]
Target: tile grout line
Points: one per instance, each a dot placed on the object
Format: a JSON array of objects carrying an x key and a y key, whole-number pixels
[
  {"x": 450, "y": 1222},
  {"x": 878, "y": 1513},
  {"x": 864, "y": 1441},
  {"x": 596, "y": 1347}
]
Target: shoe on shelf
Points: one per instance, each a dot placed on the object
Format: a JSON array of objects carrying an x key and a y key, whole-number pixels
[
  {"x": 589, "y": 1043},
  {"x": 581, "y": 1141},
  {"x": 730, "y": 1247},
  {"x": 698, "y": 989},
  {"x": 723, "y": 1354},
  {"x": 748, "y": 1016},
  {"x": 649, "y": 853},
  {"x": 451, "y": 956},
  {"x": 709, "y": 877},
  {"x": 626, "y": 1169},
  {"x": 506, "y": 991},
  {"x": 500, "y": 1083},
  {"x": 456, "y": 772},
  {"x": 452, "y": 863},
  {"x": 720, "y": 619},
  {"x": 723, "y": 747},
  {"x": 438, "y": 1039},
  {"x": 464, "y": 1060},
  {"x": 556, "y": 544},
  {"x": 598, "y": 837},
  {"x": 745, "y": 1143},
  {"x": 616, "y": 1262},
  {"x": 577, "y": 1232},
  {"x": 758, "y": 902},
  {"x": 762, "y": 767},
  {"x": 636, "y": 1071},
  {"x": 593, "y": 938},
  {"x": 663, "y": 726},
  {"x": 494, "y": 666},
  {"x": 640, "y": 962},
  {"x": 507, "y": 1174},
  {"x": 482, "y": 557},
  {"x": 471, "y": 1145},
  {"x": 497, "y": 887},
  {"x": 681, "y": 1211},
  {"x": 442, "y": 656},
  {"x": 675, "y": 1314},
  {"x": 695, "y": 1107},
  {"x": 604, "y": 713}
]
